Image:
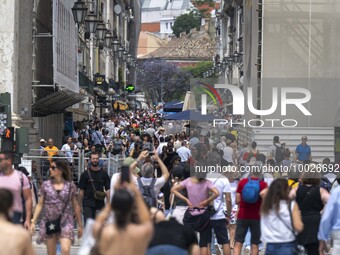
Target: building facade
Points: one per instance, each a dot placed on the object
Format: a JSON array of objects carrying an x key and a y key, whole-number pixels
[
  {"x": 51, "y": 62},
  {"x": 285, "y": 44}
]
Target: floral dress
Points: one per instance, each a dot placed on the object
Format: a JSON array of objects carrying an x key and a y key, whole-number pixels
[{"x": 54, "y": 204}]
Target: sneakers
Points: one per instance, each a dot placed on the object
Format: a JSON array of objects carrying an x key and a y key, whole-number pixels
[
  {"x": 218, "y": 249},
  {"x": 247, "y": 248}
]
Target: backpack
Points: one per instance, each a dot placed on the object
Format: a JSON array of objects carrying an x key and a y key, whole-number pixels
[
  {"x": 279, "y": 153},
  {"x": 251, "y": 191},
  {"x": 148, "y": 192}
]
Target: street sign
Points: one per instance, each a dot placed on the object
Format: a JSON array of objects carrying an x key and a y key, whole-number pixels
[{"x": 99, "y": 79}]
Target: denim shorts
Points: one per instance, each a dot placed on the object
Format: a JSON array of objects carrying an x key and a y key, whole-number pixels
[{"x": 281, "y": 248}]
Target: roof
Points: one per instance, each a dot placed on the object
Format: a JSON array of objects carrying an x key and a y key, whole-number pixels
[
  {"x": 148, "y": 42},
  {"x": 166, "y": 5},
  {"x": 197, "y": 45}
]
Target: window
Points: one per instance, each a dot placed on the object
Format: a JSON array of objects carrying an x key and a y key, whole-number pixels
[
  {"x": 166, "y": 25},
  {"x": 171, "y": 25}
]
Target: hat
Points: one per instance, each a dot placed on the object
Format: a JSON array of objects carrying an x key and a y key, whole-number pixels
[
  {"x": 129, "y": 161},
  {"x": 42, "y": 141}
]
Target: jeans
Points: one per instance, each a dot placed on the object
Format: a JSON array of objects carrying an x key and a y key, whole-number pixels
[
  {"x": 166, "y": 250},
  {"x": 281, "y": 248},
  {"x": 16, "y": 219},
  {"x": 336, "y": 242},
  {"x": 89, "y": 213}
]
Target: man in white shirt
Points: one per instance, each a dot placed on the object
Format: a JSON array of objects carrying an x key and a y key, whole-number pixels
[
  {"x": 228, "y": 154},
  {"x": 219, "y": 221},
  {"x": 161, "y": 145},
  {"x": 184, "y": 152},
  {"x": 69, "y": 149}
]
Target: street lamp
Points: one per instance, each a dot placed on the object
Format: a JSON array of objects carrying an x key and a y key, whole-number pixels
[
  {"x": 108, "y": 39},
  {"x": 100, "y": 31},
  {"x": 115, "y": 45},
  {"x": 91, "y": 23},
  {"x": 79, "y": 11},
  {"x": 121, "y": 52},
  {"x": 129, "y": 58},
  {"x": 125, "y": 55}
]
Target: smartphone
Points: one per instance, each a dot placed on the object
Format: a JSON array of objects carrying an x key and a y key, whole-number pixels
[{"x": 125, "y": 174}]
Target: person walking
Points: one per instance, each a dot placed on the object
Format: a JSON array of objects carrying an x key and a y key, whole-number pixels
[
  {"x": 59, "y": 203},
  {"x": 280, "y": 219},
  {"x": 132, "y": 229},
  {"x": 91, "y": 188},
  {"x": 19, "y": 184},
  {"x": 198, "y": 189},
  {"x": 330, "y": 224},
  {"x": 219, "y": 221},
  {"x": 311, "y": 199},
  {"x": 14, "y": 239},
  {"x": 249, "y": 195}
]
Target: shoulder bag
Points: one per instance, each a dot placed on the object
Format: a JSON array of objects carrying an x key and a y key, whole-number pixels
[
  {"x": 54, "y": 226},
  {"x": 98, "y": 195},
  {"x": 299, "y": 250}
]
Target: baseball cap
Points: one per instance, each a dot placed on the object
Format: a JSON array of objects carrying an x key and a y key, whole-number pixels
[
  {"x": 42, "y": 141},
  {"x": 129, "y": 161}
]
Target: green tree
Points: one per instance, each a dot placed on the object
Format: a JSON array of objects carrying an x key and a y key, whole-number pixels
[
  {"x": 186, "y": 22},
  {"x": 197, "y": 70}
]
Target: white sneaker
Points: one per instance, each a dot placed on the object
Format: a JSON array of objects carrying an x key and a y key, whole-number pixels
[
  {"x": 247, "y": 248},
  {"x": 218, "y": 249}
]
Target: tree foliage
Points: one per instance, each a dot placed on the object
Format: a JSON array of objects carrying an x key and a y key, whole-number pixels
[
  {"x": 197, "y": 70},
  {"x": 157, "y": 72},
  {"x": 186, "y": 22}
]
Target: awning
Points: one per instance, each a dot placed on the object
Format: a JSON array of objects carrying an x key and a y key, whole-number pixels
[{"x": 56, "y": 102}]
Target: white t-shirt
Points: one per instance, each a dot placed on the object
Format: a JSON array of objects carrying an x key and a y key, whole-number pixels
[
  {"x": 233, "y": 188},
  {"x": 276, "y": 230},
  {"x": 228, "y": 154},
  {"x": 184, "y": 153},
  {"x": 114, "y": 179},
  {"x": 223, "y": 186},
  {"x": 158, "y": 184}
]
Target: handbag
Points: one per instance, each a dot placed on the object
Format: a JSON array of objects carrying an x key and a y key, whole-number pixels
[
  {"x": 299, "y": 249},
  {"x": 54, "y": 226},
  {"x": 98, "y": 195}
]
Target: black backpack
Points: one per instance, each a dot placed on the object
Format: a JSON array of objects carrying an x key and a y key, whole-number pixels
[
  {"x": 148, "y": 192},
  {"x": 279, "y": 153}
]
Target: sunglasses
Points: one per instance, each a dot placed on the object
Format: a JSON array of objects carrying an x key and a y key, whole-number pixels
[{"x": 53, "y": 168}]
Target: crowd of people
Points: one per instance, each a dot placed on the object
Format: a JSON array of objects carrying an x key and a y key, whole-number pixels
[{"x": 158, "y": 203}]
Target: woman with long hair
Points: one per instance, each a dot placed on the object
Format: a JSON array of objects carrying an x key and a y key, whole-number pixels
[
  {"x": 132, "y": 229},
  {"x": 86, "y": 146},
  {"x": 59, "y": 202},
  {"x": 311, "y": 199},
  {"x": 14, "y": 239},
  {"x": 280, "y": 219}
]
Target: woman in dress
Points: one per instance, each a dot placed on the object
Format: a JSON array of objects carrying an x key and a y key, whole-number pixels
[{"x": 58, "y": 199}]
